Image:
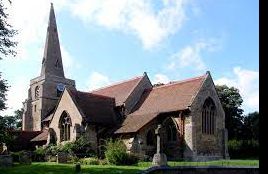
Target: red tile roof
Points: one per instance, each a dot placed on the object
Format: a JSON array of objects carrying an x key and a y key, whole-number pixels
[
  {"x": 120, "y": 91},
  {"x": 22, "y": 140},
  {"x": 133, "y": 123},
  {"x": 42, "y": 136},
  {"x": 175, "y": 96},
  {"x": 95, "y": 108}
]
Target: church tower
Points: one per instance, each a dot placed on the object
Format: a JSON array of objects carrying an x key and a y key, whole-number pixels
[{"x": 46, "y": 89}]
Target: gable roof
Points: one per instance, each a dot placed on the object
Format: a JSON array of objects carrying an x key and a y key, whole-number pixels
[
  {"x": 42, "y": 136},
  {"x": 120, "y": 91},
  {"x": 94, "y": 108},
  {"x": 176, "y": 96}
]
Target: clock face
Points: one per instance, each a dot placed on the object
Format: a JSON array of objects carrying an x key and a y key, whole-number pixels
[{"x": 60, "y": 87}]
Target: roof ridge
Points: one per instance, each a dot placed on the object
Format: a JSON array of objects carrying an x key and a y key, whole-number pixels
[
  {"x": 97, "y": 95},
  {"x": 116, "y": 83},
  {"x": 180, "y": 81}
]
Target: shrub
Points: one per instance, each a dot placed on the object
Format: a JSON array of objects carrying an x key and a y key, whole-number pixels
[
  {"x": 16, "y": 156},
  {"x": 90, "y": 161},
  {"x": 39, "y": 154},
  {"x": 52, "y": 150},
  {"x": 82, "y": 147},
  {"x": 243, "y": 149},
  {"x": 116, "y": 153}
]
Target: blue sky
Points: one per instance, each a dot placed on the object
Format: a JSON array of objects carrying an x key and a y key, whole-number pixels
[{"x": 105, "y": 41}]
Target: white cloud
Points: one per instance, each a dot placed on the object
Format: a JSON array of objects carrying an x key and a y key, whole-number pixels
[
  {"x": 247, "y": 81},
  {"x": 191, "y": 55},
  {"x": 151, "y": 25},
  {"x": 16, "y": 94},
  {"x": 160, "y": 78},
  {"x": 97, "y": 80},
  {"x": 29, "y": 17}
]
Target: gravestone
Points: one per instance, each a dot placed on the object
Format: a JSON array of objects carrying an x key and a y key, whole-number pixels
[
  {"x": 62, "y": 157},
  {"x": 159, "y": 159},
  {"x": 25, "y": 158}
]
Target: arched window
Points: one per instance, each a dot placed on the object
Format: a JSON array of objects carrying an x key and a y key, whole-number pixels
[
  {"x": 171, "y": 132},
  {"x": 208, "y": 117},
  {"x": 65, "y": 125},
  {"x": 37, "y": 92},
  {"x": 150, "y": 138}
]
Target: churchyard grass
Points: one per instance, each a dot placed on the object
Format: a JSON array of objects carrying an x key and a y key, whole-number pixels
[{"x": 54, "y": 168}]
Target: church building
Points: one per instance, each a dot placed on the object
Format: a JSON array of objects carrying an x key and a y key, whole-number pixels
[{"x": 189, "y": 111}]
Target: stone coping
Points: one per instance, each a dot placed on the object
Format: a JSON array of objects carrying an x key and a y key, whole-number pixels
[{"x": 167, "y": 168}]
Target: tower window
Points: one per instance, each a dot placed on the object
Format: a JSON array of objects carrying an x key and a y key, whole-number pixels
[
  {"x": 37, "y": 92},
  {"x": 34, "y": 108},
  {"x": 208, "y": 117}
]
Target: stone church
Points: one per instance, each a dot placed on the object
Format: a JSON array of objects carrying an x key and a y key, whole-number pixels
[{"x": 190, "y": 112}]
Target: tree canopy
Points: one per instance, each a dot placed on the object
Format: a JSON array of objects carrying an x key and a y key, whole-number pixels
[
  {"x": 231, "y": 101},
  {"x": 6, "y": 34},
  {"x": 7, "y": 46}
]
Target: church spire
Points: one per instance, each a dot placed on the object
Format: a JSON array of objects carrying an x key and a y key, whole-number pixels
[{"x": 52, "y": 61}]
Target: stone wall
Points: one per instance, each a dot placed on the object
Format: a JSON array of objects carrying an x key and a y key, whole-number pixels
[
  {"x": 206, "y": 146},
  {"x": 38, "y": 107},
  {"x": 137, "y": 143},
  {"x": 6, "y": 161},
  {"x": 202, "y": 170},
  {"x": 66, "y": 104}
]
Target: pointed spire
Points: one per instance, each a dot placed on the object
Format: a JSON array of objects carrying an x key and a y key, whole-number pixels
[{"x": 52, "y": 61}]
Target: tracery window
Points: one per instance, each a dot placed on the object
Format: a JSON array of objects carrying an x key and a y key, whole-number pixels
[
  {"x": 171, "y": 132},
  {"x": 65, "y": 125},
  {"x": 208, "y": 117}
]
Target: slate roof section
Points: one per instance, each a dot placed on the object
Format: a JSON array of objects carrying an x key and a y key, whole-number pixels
[
  {"x": 96, "y": 109},
  {"x": 120, "y": 91},
  {"x": 42, "y": 136},
  {"x": 176, "y": 96}
]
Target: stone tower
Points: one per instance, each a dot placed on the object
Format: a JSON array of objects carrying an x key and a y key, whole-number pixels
[{"x": 46, "y": 89}]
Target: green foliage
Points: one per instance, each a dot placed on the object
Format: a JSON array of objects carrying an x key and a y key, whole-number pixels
[
  {"x": 243, "y": 149},
  {"x": 39, "y": 154},
  {"x": 16, "y": 155},
  {"x": 6, "y": 48},
  {"x": 51, "y": 150},
  {"x": 116, "y": 153},
  {"x": 6, "y": 34},
  {"x": 82, "y": 148},
  {"x": 251, "y": 126},
  {"x": 3, "y": 90},
  {"x": 90, "y": 161},
  {"x": 231, "y": 101},
  {"x": 67, "y": 147}
]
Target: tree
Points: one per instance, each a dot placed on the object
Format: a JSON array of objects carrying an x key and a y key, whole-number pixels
[
  {"x": 6, "y": 34},
  {"x": 3, "y": 90},
  {"x": 6, "y": 48},
  {"x": 231, "y": 101},
  {"x": 251, "y": 126}
]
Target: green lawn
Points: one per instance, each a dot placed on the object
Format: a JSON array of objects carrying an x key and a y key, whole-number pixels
[{"x": 54, "y": 168}]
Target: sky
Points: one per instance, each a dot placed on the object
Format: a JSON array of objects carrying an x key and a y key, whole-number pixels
[{"x": 106, "y": 41}]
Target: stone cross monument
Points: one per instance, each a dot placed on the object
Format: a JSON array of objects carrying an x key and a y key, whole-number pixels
[{"x": 159, "y": 158}]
